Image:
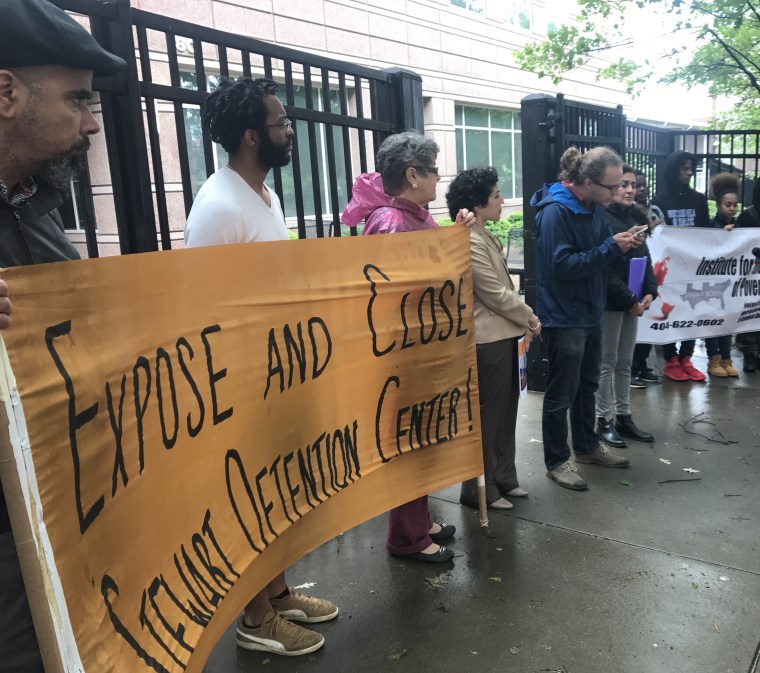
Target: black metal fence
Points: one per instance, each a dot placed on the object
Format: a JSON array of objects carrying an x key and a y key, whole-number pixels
[{"x": 159, "y": 154}]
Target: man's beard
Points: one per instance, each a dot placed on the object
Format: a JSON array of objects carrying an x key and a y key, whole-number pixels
[
  {"x": 58, "y": 171},
  {"x": 271, "y": 155}
]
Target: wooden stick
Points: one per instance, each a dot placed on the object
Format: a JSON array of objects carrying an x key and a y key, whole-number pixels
[{"x": 483, "y": 504}]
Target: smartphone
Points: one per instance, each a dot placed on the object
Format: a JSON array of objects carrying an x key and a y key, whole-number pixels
[{"x": 641, "y": 230}]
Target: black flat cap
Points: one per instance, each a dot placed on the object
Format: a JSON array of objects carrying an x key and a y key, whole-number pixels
[{"x": 35, "y": 32}]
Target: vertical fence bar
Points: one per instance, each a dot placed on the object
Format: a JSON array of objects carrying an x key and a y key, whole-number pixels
[
  {"x": 155, "y": 141},
  {"x": 290, "y": 97},
  {"x": 179, "y": 122},
  {"x": 316, "y": 186},
  {"x": 200, "y": 76},
  {"x": 331, "y": 168}
]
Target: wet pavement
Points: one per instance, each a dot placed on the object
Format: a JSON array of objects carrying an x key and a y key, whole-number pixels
[{"x": 641, "y": 577}]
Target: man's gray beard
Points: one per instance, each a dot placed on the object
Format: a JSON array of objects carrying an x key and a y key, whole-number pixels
[{"x": 59, "y": 170}]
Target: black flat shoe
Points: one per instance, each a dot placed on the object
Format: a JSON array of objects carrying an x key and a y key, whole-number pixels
[
  {"x": 445, "y": 533},
  {"x": 443, "y": 555},
  {"x": 608, "y": 435}
]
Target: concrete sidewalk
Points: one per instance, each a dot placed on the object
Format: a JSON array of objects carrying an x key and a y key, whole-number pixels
[{"x": 648, "y": 577}]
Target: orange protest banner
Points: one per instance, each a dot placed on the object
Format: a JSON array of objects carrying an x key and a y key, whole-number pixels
[{"x": 189, "y": 423}]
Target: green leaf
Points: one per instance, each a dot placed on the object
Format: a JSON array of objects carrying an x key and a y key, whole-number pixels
[{"x": 625, "y": 482}]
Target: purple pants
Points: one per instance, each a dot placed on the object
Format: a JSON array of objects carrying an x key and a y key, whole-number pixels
[{"x": 408, "y": 527}]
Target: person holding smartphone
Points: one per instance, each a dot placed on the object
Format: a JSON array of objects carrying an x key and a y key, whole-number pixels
[{"x": 622, "y": 309}]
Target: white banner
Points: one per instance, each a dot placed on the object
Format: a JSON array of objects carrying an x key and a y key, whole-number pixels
[{"x": 708, "y": 284}]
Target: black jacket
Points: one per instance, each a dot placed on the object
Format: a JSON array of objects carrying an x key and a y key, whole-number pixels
[
  {"x": 749, "y": 217},
  {"x": 619, "y": 297},
  {"x": 32, "y": 234},
  {"x": 681, "y": 205}
]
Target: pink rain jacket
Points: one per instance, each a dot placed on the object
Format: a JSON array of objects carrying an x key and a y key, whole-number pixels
[{"x": 384, "y": 214}]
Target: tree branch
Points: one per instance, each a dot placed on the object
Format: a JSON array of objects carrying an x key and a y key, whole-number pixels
[
  {"x": 753, "y": 9},
  {"x": 733, "y": 54}
]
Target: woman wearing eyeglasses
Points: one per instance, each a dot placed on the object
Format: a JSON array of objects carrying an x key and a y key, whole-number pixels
[
  {"x": 623, "y": 307},
  {"x": 390, "y": 201}
]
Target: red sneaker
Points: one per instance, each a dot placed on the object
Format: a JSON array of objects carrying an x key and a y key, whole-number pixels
[
  {"x": 673, "y": 370},
  {"x": 690, "y": 370}
]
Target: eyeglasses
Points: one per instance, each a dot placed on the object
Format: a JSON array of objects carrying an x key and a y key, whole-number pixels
[
  {"x": 612, "y": 188},
  {"x": 286, "y": 123},
  {"x": 429, "y": 169}
]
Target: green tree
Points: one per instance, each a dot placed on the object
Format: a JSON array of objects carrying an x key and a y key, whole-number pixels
[{"x": 712, "y": 43}]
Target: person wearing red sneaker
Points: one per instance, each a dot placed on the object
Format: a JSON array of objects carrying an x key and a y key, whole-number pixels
[{"x": 682, "y": 206}]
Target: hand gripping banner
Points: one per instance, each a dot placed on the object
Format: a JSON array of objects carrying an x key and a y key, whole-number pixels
[{"x": 184, "y": 425}]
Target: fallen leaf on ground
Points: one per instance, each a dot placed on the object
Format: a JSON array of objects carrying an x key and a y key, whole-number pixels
[
  {"x": 399, "y": 656},
  {"x": 514, "y": 650},
  {"x": 665, "y": 460},
  {"x": 495, "y": 579},
  {"x": 695, "y": 585},
  {"x": 690, "y": 470},
  {"x": 625, "y": 482},
  {"x": 306, "y": 585},
  {"x": 437, "y": 582}
]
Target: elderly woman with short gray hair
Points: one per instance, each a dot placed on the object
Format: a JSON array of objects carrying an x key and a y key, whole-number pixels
[{"x": 390, "y": 201}]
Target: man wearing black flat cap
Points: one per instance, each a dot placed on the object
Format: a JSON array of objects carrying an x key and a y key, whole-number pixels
[{"x": 47, "y": 61}]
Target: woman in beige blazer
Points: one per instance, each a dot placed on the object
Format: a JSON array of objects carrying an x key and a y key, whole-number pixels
[{"x": 501, "y": 318}]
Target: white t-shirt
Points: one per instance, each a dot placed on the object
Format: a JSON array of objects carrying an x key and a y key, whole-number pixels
[{"x": 227, "y": 210}]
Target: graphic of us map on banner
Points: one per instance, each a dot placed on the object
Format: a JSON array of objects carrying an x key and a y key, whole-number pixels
[
  {"x": 184, "y": 425},
  {"x": 708, "y": 283}
]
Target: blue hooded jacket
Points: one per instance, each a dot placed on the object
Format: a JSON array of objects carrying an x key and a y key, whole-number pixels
[{"x": 574, "y": 247}]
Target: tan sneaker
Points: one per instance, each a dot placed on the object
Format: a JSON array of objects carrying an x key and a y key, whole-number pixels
[
  {"x": 298, "y": 607},
  {"x": 566, "y": 475},
  {"x": 278, "y": 636},
  {"x": 601, "y": 455},
  {"x": 728, "y": 367}
]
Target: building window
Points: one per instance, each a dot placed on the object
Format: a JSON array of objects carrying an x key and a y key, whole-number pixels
[
  {"x": 514, "y": 12},
  {"x": 473, "y": 5},
  {"x": 490, "y": 137},
  {"x": 194, "y": 140}
]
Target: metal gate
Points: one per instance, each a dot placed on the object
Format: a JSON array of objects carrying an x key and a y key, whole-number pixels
[{"x": 159, "y": 154}]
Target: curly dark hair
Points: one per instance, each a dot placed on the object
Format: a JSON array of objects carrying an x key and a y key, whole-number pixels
[
  {"x": 235, "y": 106},
  {"x": 722, "y": 184},
  {"x": 470, "y": 188}
]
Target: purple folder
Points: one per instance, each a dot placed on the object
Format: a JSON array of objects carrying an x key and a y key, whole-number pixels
[{"x": 636, "y": 270}]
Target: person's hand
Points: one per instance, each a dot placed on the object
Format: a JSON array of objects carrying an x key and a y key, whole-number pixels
[
  {"x": 534, "y": 325},
  {"x": 729, "y": 227},
  {"x": 637, "y": 309},
  {"x": 626, "y": 240},
  {"x": 466, "y": 218},
  {"x": 528, "y": 339},
  {"x": 6, "y": 308},
  {"x": 646, "y": 302}
]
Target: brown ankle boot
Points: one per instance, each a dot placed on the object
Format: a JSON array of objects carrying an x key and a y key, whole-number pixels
[
  {"x": 715, "y": 368},
  {"x": 728, "y": 367}
]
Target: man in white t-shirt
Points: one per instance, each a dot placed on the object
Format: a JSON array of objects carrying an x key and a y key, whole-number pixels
[{"x": 235, "y": 206}]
